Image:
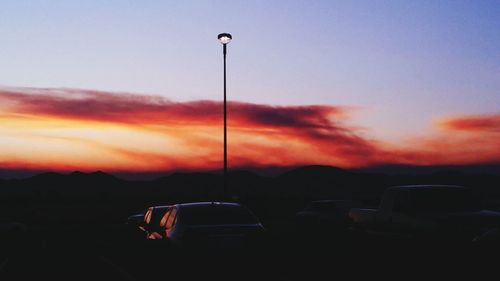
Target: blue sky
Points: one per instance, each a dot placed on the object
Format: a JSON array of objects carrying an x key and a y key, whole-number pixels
[{"x": 403, "y": 62}]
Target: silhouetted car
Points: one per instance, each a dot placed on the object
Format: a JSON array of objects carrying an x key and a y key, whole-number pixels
[
  {"x": 326, "y": 214},
  {"x": 152, "y": 218},
  {"x": 450, "y": 212},
  {"x": 211, "y": 225}
]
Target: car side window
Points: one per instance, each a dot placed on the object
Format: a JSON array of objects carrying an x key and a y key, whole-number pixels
[
  {"x": 171, "y": 218},
  {"x": 164, "y": 219},
  {"x": 147, "y": 216}
]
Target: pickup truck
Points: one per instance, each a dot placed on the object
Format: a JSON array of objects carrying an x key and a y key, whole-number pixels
[{"x": 427, "y": 211}]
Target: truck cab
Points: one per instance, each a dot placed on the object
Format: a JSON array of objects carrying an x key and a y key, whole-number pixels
[{"x": 425, "y": 209}]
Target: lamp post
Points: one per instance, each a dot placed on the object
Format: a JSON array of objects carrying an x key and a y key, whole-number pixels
[{"x": 225, "y": 38}]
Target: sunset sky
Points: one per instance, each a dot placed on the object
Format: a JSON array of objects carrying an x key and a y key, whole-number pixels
[{"x": 136, "y": 86}]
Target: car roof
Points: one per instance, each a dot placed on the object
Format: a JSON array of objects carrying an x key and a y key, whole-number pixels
[
  {"x": 206, "y": 204},
  {"x": 429, "y": 186},
  {"x": 160, "y": 207},
  {"x": 332, "y": 201}
]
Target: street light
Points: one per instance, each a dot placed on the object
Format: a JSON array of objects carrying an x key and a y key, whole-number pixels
[{"x": 225, "y": 38}]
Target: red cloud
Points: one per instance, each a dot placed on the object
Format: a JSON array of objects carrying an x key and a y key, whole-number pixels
[
  {"x": 127, "y": 108},
  {"x": 259, "y": 135},
  {"x": 484, "y": 123}
]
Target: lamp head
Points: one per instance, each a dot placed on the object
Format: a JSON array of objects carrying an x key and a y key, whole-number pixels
[{"x": 225, "y": 38}]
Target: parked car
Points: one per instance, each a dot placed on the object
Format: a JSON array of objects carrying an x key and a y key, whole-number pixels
[
  {"x": 326, "y": 214},
  {"x": 151, "y": 223},
  {"x": 211, "y": 225},
  {"x": 450, "y": 212}
]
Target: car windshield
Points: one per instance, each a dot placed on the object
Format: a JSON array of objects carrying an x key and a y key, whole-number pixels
[
  {"x": 217, "y": 214},
  {"x": 444, "y": 200}
]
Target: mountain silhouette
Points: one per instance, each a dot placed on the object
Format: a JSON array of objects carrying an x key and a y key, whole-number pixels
[{"x": 302, "y": 184}]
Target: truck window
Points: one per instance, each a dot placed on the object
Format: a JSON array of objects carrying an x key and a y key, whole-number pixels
[
  {"x": 444, "y": 200},
  {"x": 402, "y": 202}
]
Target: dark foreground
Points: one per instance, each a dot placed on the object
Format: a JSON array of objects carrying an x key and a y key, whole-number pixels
[
  {"x": 75, "y": 230},
  {"x": 118, "y": 252}
]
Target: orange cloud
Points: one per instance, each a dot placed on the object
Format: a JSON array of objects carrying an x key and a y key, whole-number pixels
[
  {"x": 68, "y": 129},
  {"x": 484, "y": 123},
  {"x": 458, "y": 140}
]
